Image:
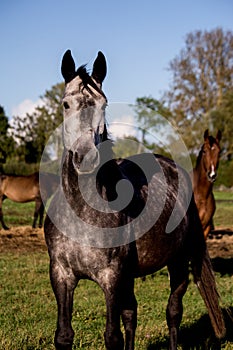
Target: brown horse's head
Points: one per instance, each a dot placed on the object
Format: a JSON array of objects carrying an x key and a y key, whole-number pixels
[{"x": 210, "y": 154}]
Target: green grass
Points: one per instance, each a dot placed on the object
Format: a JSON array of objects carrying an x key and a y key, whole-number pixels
[
  {"x": 28, "y": 310},
  {"x": 224, "y": 215},
  {"x": 220, "y": 195},
  {"x": 224, "y": 209},
  {"x": 18, "y": 214}
]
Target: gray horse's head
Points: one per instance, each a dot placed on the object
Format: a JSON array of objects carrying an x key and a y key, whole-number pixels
[{"x": 84, "y": 112}]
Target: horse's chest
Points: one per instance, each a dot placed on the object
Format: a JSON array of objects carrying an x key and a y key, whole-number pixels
[
  {"x": 206, "y": 208},
  {"x": 89, "y": 262}
]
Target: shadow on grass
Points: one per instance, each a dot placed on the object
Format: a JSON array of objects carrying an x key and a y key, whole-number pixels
[
  {"x": 223, "y": 265},
  {"x": 200, "y": 335}
]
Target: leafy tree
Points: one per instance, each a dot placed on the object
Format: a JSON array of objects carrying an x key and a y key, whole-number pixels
[
  {"x": 202, "y": 74},
  {"x": 6, "y": 141},
  {"x": 34, "y": 130},
  {"x": 127, "y": 146},
  {"x": 222, "y": 119},
  {"x": 151, "y": 115}
]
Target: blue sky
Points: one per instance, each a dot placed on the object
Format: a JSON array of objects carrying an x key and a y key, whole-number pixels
[{"x": 138, "y": 38}]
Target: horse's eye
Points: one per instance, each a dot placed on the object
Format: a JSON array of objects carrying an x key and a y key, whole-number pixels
[{"x": 66, "y": 105}]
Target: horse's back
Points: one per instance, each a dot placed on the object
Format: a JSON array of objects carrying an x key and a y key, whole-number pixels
[{"x": 164, "y": 224}]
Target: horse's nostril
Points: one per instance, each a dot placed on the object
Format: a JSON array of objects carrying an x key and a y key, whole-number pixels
[
  {"x": 212, "y": 176},
  {"x": 78, "y": 158}
]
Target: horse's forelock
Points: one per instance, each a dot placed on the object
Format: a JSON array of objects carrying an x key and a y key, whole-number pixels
[
  {"x": 212, "y": 141},
  {"x": 83, "y": 74},
  {"x": 87, "y": 80}
]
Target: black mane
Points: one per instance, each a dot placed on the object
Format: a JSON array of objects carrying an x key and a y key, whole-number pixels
[
  {"x": 199, "y": 156},
  {"x": 87, "y": 80}
]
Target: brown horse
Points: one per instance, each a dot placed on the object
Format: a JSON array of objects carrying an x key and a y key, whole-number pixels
[
  {"x": 35, "y": 187},
  {"x": 204, "y": 175}
]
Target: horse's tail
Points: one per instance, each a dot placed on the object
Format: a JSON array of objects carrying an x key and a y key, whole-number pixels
[
  {"x": 205, "y": 279},
  {"x": 206, "y": 284}
]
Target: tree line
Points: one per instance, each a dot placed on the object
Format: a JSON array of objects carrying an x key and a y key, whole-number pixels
[{"x": 200, "y": 96}]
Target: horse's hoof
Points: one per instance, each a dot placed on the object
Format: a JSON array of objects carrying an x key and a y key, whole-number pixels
[
  {"x": 63, "y": 346},
  {"x": 6, "y": 228}
]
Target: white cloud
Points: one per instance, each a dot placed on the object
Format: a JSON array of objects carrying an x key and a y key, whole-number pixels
[
  {"x": 26, "y": 106},
  {"x": 124, "y": 126}
]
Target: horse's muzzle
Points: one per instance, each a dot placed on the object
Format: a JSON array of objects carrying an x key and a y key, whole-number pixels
[
  {"x": 86, "y": 164},
  {"x": 212, "y": 176},
  {"x": 85, "y": 155}
]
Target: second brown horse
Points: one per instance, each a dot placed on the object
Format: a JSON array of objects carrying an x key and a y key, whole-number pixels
[
  {"x": 204, "y": 175},
  {"x": 34, "y": 187}
]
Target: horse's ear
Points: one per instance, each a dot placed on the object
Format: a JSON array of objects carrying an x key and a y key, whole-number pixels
[
  {"x": 206, "y": 134},
  {"x": 68, "y": 67},
  {"x": 219, "y": 135},
  {"x": 99, "y": 68}
]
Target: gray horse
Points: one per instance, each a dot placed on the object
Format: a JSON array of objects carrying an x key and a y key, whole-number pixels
[{"x": 94, "y": 232}]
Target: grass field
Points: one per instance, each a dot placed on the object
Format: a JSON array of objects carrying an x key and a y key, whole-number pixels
[
  {"x": 224, "y": 209},
  {"x": 28, "y": 309},
  {"x": 17, "y": 214}
]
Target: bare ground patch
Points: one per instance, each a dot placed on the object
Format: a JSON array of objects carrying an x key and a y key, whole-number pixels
[
  {"x": 26, "y": 239},
  {"x": 22, "y": 239}
]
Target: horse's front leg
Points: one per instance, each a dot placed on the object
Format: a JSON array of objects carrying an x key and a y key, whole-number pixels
[
  {"x": 207, "y": 231},
  {"x": 113, "y": 335},
  {"x": 129, "y": 312},
  {"x": 63, "y": 283}
]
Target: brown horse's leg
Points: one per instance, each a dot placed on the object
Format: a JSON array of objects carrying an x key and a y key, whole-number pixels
[
  {"x": 63, "y": 282},
  {"x": 39, "y": 207},
  {"x": 179, "y": 282},
  {"x": 129, "y": 312},
  {"x": 1, "y": 214},
  {"x": 41, "y": 214},
  {"x": 207, "y": 231}
]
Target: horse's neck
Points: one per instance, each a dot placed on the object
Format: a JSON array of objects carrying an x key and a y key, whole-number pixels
[
  {"x": 89, "y": 191},
  {"x": 71, "y": 182},
  {"x": 201, "y": 183},
  {"x": 88, "y": 198}
]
